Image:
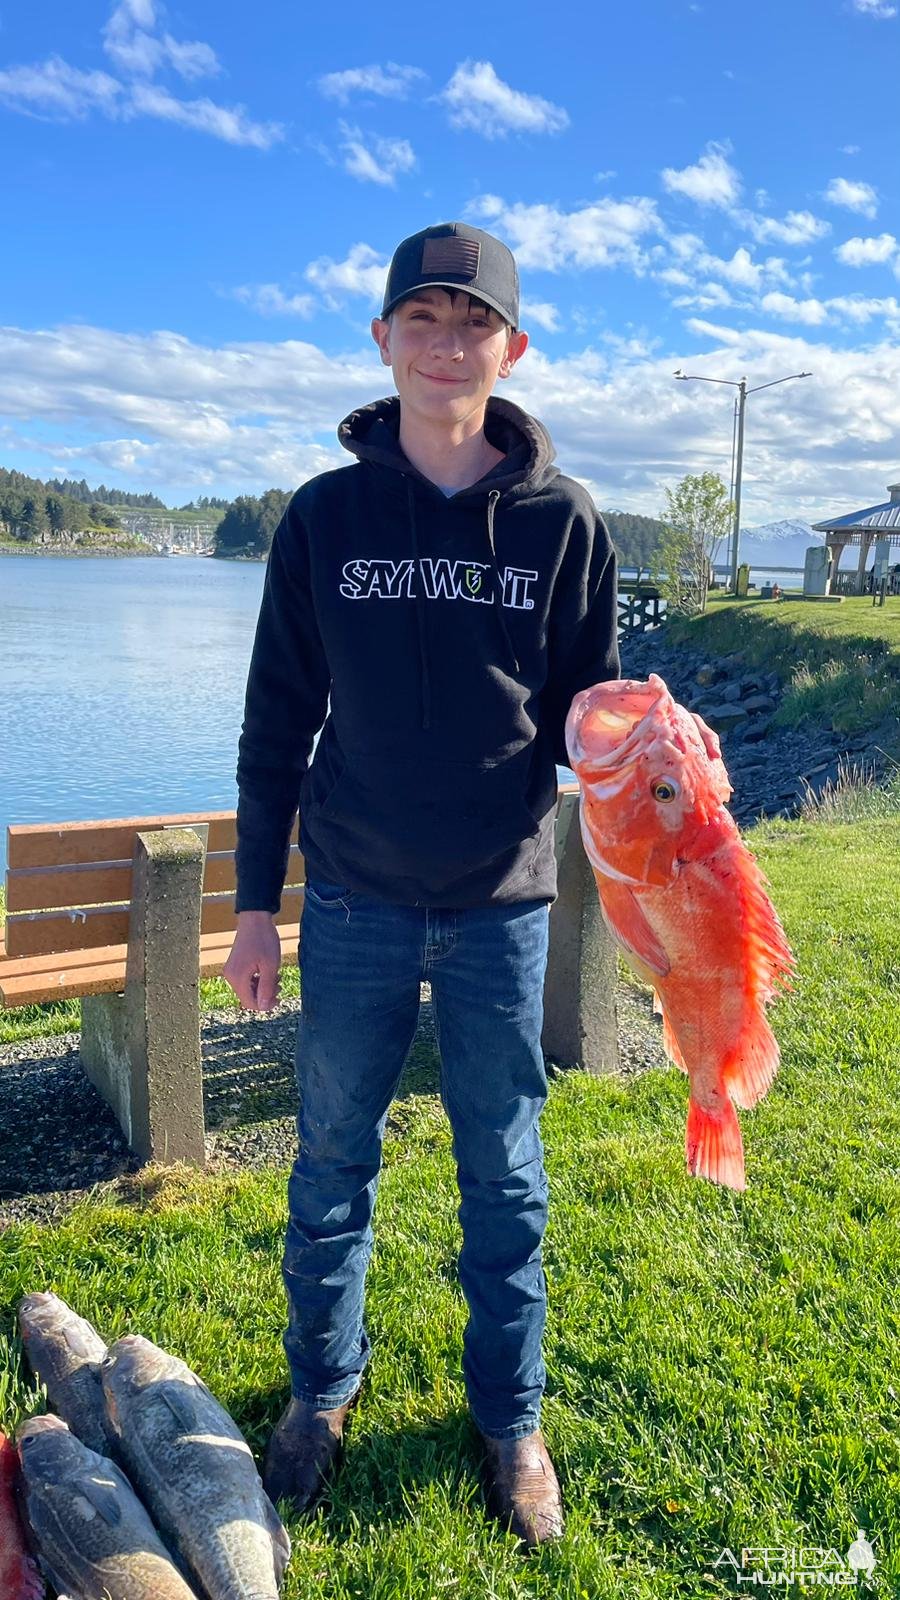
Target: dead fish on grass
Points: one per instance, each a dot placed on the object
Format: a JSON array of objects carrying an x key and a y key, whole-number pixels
[
  {"x": 95, "y": 1537},
  {"x": 195, "y": 1471},
  {"x": 65, "y": 1351}
]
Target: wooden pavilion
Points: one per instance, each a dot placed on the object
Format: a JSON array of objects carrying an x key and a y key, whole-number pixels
[{"x": 862, "y": 528}]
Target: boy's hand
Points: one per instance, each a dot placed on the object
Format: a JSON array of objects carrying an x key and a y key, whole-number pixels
[{"x": 254, "y": 965}]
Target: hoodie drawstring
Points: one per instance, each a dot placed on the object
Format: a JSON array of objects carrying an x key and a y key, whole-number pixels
[
  {"x": 493, "y": 497},
  {"x": 420, "y": 608}
]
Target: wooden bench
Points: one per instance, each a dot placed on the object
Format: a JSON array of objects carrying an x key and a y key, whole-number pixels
[{"x": 129, "y": 913}]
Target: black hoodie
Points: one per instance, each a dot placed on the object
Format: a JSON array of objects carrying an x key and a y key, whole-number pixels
[{"x": 451, "y": 634}]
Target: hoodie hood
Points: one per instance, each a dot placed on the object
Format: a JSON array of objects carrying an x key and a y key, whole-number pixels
[{"x": 372, "y": 434}]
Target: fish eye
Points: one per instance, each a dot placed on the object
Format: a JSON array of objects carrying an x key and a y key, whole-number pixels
[{"x": 664, "y": 790}]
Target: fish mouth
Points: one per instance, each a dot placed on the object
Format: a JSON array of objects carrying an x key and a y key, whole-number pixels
[{"x": 603, "y": 720}]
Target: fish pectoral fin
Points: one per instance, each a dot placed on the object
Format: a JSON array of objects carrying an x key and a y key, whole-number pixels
[
  {"x": 181, "y": 1404},
  {"x": 101, "y": 1495},
  {"x": 627, "y": 923}
]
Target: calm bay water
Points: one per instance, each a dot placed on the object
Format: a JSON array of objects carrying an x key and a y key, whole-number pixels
[{"x": 121, "y": 685}]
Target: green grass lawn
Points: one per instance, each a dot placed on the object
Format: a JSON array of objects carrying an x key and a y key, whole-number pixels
[
  {"x": 723, "y": 1369},
  {"x": 840, "y": 663}
]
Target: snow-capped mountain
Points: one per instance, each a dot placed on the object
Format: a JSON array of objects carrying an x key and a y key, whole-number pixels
[{"x": 776, "y": 544}]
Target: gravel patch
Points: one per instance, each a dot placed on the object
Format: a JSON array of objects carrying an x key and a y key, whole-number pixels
[{"x": 62, "y": 1142}]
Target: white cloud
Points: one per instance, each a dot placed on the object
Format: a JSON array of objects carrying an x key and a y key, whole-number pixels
[
  {"x": 393, "y": 82},
  {"x": 856, "y": 309},
  {"x": 856, "y": 196},
  {"x": 362, "y": 272},
  {"x": 713, "y": 181},
  {"x": 243, "y": 416},
  {"x": 270, "y": 300},
  {"x": 377, "y": 161},
  {"x": 867, "y": 252},
  {"x": 861, "y": 309},
  {"x": 784, "y": 305},
  {"x": 477, "y": 99},
  {"x": 713, "y": 330},
  {"x": 603, "y": 234},
  {"x": 56, "y": 90},
  {"x": 850, "y": 149},
  {"x": 60, "y": 92},
  {"x": 798, "y": 227},
  {"x": 874, "y": 8},
  {"x": 230, "y": 123},
  {"x": 740, "y": 272},
  {"x": 708, "y": 297},
  {"x": 539, "y": 311},
  {"x": 128, "y": 41},
  {"x": 741, "y": 269}
]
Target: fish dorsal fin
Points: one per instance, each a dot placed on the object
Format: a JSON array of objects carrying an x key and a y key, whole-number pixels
[
  {"x": 101, "y": 1494},
  {"x": 181, "y": 1404}
]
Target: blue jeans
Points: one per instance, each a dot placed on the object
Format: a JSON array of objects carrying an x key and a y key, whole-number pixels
[{"x": 362, "y": 961}]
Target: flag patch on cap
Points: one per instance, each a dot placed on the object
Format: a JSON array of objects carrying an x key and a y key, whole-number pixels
[{"x": 451, "y": 254}]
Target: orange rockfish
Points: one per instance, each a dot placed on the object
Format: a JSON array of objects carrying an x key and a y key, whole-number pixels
[{"x": 684, "y": 898}]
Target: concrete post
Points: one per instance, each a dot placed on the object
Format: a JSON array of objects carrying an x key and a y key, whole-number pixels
[
  {"x": 580, "y": 1021},
  {"x": 141, "y": 1049}
]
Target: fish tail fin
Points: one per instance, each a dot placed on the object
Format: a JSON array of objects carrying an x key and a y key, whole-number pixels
[{"x": 713, "y": 1145}]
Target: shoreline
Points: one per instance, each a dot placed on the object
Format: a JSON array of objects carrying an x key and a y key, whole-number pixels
[
  {"x": 118, "y": 551},
  {"x": 25, "y": 549}
]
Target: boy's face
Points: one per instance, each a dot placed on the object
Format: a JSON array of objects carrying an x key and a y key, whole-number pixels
[{"x": 446, "y": 356}]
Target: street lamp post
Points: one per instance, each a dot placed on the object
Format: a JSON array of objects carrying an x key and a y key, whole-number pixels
[{"x": 699, "y": 377}]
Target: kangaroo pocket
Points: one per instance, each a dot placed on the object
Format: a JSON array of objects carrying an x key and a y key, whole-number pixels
[{"x": 393, "y": 818}]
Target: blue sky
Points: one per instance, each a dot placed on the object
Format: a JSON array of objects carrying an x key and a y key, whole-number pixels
[{"x": 202, "y": 201}]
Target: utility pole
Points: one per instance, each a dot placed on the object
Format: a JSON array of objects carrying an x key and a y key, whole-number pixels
[
  {"x": 736, "y": 531},
  {"x": 700, "y": 377}
]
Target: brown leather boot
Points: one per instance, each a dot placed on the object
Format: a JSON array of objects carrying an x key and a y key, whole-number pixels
[
  {"x": 303, "y": 1452},
  {"x": 522, "y": 1489}
]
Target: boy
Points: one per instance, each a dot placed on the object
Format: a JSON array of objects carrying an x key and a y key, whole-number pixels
[{"x": 451, "y": 592}]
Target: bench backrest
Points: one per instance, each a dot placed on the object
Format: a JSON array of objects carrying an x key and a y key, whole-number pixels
[{"x": 68, "y": 884}]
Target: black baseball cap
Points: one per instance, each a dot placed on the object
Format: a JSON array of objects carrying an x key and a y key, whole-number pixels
[{"x": 452, "y": 255}]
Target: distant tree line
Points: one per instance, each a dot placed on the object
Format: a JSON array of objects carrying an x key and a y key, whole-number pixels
[
  {"x": 206, "y": 502},
  {"x": 249, "y": 523},
  {"x": 32, "y": 511},
  {"x": 72, "y": 490},
  {"x": 249, "y": 526},
  {"x": 637, "y": 539}
]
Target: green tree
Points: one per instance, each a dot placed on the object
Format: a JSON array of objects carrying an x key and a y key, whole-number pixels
[
  {"x": 271, "y": 510},
  {"x": 34, "y": 518},
  {"x": 697, "y": 518},
  {"x": 239, "y": 528},
  {"x": 56, "y": 513},
  {"x": 636, "y": 538}
]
